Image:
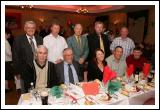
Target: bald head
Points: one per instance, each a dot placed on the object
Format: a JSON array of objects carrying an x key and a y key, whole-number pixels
[
  {"x": 124, "y": 32},
  {"x": 78, "y": 29}
]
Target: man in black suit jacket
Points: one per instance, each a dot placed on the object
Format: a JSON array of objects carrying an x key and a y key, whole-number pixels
[
  {"x": 41, "y": 72},
  {"x": 95, "y": 39},
  {"x": 63, "y": 72},
  {"x": 24, "y": 49}
]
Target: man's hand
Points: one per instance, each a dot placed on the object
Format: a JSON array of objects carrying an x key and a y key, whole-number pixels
[
  {"x": 18, "y": 77},
  {"x": 81, "y": 60},
  {"x": 58, "y": 61}
]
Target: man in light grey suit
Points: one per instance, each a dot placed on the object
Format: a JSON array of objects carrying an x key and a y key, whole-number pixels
[{"x": 79, "y": 45}]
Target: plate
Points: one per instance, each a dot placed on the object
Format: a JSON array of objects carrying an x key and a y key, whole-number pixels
[{"x": 103, "y": 97}]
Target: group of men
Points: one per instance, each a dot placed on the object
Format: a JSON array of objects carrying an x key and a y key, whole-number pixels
[{"x": 53, "y": 60}]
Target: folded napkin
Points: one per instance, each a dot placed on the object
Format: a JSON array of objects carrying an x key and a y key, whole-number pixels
[
  {"x": 108, "y": 74},
  {"x": 130, "y": 70},
  {"x": 113, "y": 86},
  {"x": 146, "y": 69},
  {"x": 56, "y": 91}
]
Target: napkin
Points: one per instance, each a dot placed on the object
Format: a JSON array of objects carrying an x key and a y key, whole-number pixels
[
  {"x": 113, "y": 86},
  {"x": 108, "y": 74},
  {"x": 56, "y": 91},
  {"x": 90, "y": 88},
  {"x": 146, "y": 69},
  {"x": 130, "y": 70}
]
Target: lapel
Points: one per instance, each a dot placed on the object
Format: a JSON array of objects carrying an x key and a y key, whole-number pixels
[
  {"x": 61, "y": 72},
  {"x": 75, "y": 41},
  {"x": 48, "y": 74},
  {"x": 82, "y": 42},
  {"x": 27, "y": 44},
  {"x": 37, "y": 40},
  {"x": 77, "y": 70}
]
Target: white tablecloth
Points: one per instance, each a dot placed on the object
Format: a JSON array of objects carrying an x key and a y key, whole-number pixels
[{"x": 135, "y": 99}]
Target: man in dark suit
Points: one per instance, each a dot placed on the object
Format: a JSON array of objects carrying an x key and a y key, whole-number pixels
[
  {"x": 41, "y": 72},
  {"x": 24, "y": 50},
  {"x": 98, "y": 40},
  {"x": 68, "y": 71}
]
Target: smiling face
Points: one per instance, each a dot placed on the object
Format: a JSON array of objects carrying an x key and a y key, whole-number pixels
[
  {"x": 55, "y": 29},
  {"x": 99, "y": 28},
  {"x": 68, "y": 56},
  {"x": 78, "y": 29},
  {"x": 99, "y": 55},
  {"x": 118, "y": 52},
  {"x": 42, "y": 54},
  {"x": 124, "y": 32},
  {"x": 137, "y": 54},
  {"x": 30, "y": 29}
]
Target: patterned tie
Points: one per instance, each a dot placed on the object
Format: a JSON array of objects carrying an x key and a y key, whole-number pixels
[
  {"x": 71, "y": 79},
  {"x": 79, "y": 42},
  {"x": 101, "y": 43},
  {"x": 32, "y": 46}
]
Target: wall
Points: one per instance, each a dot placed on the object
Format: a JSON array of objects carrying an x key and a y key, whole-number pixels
[
  {"x": 117, "y": 20},
  {"x": 43, "y": 17},
  {"x": 150, "y": 38}
]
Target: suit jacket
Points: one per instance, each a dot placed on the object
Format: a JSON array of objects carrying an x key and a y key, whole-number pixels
[
  {"x": 78, "y": 53},
  {"x": 22, "y": 53},
  {"x": 60, "y": 72},
  {"x": 94, "y": 43},
  {"x": 31, "y": 75}
]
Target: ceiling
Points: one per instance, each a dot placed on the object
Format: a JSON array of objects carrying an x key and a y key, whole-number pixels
[
  {"x": 93, "y": 9},
  {"x": 73, "y": 8}
]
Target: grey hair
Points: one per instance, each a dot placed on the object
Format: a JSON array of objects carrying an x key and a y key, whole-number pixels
[
  {"x": 29, "y": 22},
  {"x": 41, "y": 46},
  {"x": 66, "y": 49}
]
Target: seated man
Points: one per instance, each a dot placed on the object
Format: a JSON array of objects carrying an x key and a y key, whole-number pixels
[
  {"x": 68, "y": 71},
  {"x": 116, "y": 62},
  {"x": 41, "y": 72},
  {"x": 136, "y": 58}
]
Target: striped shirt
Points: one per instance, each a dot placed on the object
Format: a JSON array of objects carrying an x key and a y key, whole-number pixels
[{"x": 127, "y": 44}]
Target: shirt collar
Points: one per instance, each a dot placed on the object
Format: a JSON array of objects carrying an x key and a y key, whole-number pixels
[
  {"x": 77, "y": 37},
  {"x": 123, "y": 39},
  {"x": 66, "y": 63},
  {"x": 40, "y": 65},
  {"x": 54, "y": 36},
  {"x": 115, "y": 59},
  {"x": 30, "y": 37}
]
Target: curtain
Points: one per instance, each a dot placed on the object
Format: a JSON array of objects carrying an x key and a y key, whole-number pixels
[{"x": 136, "y": 29}]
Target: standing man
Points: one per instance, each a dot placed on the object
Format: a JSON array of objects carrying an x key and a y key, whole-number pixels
[
  {"x": 55, "y": 44},
  {"x": 79, "y": 45},
  {"x": 124, "y": 41},
  {"x": 24, "y": 49},
  {"x": 98, "y": 40}
]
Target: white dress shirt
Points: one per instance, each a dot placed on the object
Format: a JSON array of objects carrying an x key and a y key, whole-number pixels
[
  {"x": 33, "y": 39},
  {"x": 8, "y": 53},
  {"x": 55, "y": 46}
]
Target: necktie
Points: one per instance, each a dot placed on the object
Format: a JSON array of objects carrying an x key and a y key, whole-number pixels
[
  {"x": 79, "y": 42},
  {"x": 32, "y": 46},
  {"x": 101, "y": 43},
  {"x": 71, "y": 79}
]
